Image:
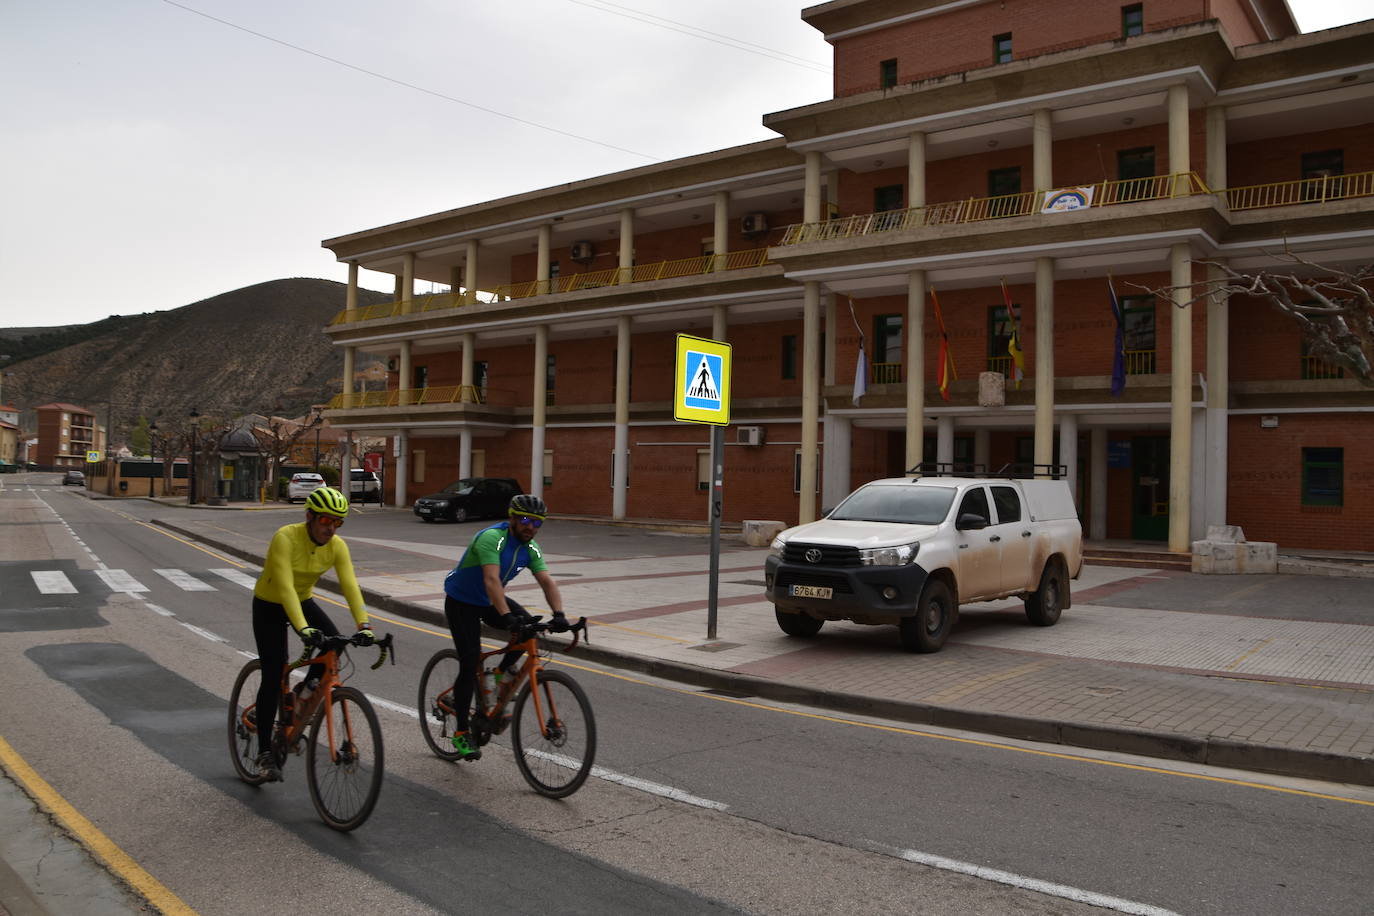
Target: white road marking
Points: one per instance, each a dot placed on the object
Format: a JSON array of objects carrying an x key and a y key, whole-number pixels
[
  {"x": 184, "y": 580},
  {"x": 200, "y": 631},
  {"x": 634, "y": 782},
  {"x": 1034, "y": 884},
  {"x": 237, "y": 577},
  {"x": 52, "y": 582},
  {"x": 119, "y": 580},
  {"x": 158, "y": 610}
]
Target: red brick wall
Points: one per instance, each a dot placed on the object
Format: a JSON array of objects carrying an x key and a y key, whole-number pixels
[{"x": 1280, "y": 158}]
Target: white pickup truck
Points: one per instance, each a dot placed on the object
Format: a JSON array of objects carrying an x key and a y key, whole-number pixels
[{"x": 908, "y": 551}]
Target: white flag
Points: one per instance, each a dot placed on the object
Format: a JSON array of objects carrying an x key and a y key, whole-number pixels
[{"x": 860, "y": 376}]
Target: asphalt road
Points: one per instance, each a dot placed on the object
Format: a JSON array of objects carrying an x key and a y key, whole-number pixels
[{"x": 118, "y": 700}]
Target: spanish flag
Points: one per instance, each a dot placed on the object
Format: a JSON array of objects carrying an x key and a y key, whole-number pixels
[
  {"x": 945, "y": 371},
  {"x": 1018, "y": 358}
]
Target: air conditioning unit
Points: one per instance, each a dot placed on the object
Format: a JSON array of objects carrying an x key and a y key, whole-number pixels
[
  {"x": 749, "y": 435},
  {"x": 582, "y": 251},
  {"x": 391, "y": 364},
  {"x": 755, "y": 223}
]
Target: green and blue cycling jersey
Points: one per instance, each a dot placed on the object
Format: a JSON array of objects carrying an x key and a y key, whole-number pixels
[{"x": 494, "y": 545}]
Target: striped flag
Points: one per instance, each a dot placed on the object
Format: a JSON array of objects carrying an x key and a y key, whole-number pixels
[
  {"x": 1118, "y": 351},
  {"x": 1018, "y": 358},
  {"x": 945, "y": 371}
]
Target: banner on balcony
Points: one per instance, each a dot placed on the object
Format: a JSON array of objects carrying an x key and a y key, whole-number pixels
[{"x": 1067, "y": 199}]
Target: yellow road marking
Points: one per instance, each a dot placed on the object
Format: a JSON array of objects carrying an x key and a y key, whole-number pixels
[
  {"x": 217, "y": 556},
  {"x": 1257, "y": 647},
  {"x": 90, "y": 836}
]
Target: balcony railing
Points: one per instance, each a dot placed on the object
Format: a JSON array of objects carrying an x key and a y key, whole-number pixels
[
  {"x": 1304, "y": 191},
  {"x": 886, "y": 373},
  {"x": 981, "y": 209},
  {"x": 444, "y": 394},
  {"x": 1316, "y": 367},
  {"x": 614, "y": 276}
]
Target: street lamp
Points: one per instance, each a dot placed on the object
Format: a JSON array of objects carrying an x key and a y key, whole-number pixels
[
  {"x": 317, "y": 421},
  {"x": 191, "y": 493},
  {"x": 152, "y": 455}
]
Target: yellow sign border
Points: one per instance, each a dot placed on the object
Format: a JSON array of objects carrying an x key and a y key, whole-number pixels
[{"x": 698, "y": 414}]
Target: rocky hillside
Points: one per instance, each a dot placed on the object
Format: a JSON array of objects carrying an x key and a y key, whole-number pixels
[{"x": 254, "y": 350}]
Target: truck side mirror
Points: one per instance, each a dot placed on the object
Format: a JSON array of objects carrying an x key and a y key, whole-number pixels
[{"x": 970, "y": 522}]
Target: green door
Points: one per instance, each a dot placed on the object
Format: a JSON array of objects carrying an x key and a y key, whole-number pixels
[{"x": 1150, "y": 488}]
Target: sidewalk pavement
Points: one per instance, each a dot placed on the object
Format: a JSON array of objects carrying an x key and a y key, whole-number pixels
[{"x": 1136, "y": 665}]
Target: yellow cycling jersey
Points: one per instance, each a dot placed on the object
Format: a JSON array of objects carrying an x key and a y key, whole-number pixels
[{"x": 295, "y": 563}]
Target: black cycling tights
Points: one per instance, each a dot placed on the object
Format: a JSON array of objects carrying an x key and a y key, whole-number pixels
[
  {"x": 269, "y": 630},
  {"x": 465, "y": 622}
]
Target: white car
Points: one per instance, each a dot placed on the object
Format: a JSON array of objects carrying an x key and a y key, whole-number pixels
[{"x": 302, "y": 485}]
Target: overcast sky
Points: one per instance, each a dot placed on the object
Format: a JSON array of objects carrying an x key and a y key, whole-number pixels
[{"x": 159, "y": 152}]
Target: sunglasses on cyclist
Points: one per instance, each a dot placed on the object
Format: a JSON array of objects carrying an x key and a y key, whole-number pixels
[
  {"x": 528, "y": 520},
  {"x": 329, "y": 521}
]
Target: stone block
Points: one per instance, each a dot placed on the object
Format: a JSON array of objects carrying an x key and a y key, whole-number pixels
[
  {"x": 760, "y": 532},
  {"x": 1229, "y": 558}
]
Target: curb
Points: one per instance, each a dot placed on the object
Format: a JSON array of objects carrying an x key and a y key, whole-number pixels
[{"x": 1209, "y": 751}]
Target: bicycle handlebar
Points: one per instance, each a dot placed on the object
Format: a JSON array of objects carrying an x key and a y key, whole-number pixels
[
  {"x": 532, "y": 629},
  {"x": 334, "y": 643}
]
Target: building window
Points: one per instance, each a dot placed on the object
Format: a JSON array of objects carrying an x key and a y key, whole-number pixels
[
  {"x": 1132, "y": 20},
  {"x": 553, "y": 269},
  {"x": 1001, "y": 48},
  {"x": 548, "y": 467},
  {"x": 796, "y": 472},
  {"x": 887, "y": 74},
  {"x": 1135, "y": 168},
  {"x": 1320, "y": 171},
  {"x": 421, "y": 376},
  {"x": 888, "y": 197},
  {"x": 999, "y": 336},
  {"x": 887, "y": 349},
  {"x": 479, "y": 378},
  {"x": 789, "y": 356},
  {"x": 550, "y": 375},
  {"x": 1138, "y": 335},
  {"x": 1323, "y": 476},
  {"x": 703, "y": 469},
  {"x": 1004, "y": 186}
]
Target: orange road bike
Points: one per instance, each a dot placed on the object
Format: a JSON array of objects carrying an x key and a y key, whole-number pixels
[
  {"x": 344, "y": 748},
  {"x": 553, "y": 732}
]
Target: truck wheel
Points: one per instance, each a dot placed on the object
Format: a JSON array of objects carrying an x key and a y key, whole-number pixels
[
  {"x": 934, "y": 618},
  {"x": 1045, "y": 604},
  {"x": 798, "y": 624}
]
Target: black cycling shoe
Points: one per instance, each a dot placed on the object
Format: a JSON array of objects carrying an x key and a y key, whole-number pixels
[{"x": 267, "y": 767}]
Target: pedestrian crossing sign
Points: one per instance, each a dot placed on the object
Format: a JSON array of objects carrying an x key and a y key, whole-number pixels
[{"x": 702, "y": 392}]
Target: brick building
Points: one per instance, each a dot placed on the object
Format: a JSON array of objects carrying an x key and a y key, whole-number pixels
[
  {"x": 1022, "y": 153},
  {"x": 65, "y": 434}
]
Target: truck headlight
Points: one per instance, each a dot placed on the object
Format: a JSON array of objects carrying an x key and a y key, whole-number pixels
[
  {"x": 889, "y": 556},
  {"x": 775, "y": 549}
]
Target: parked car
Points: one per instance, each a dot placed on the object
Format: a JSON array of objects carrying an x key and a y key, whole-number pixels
[
  {"x": 75, "y": 478},
  {"x": 364, "y": 486},
  {"x": 471, "y": 497},
  {"x": 302, "y": 485}
]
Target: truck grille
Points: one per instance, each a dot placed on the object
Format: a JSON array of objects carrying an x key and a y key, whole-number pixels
[{"x": 830, "y": 555}]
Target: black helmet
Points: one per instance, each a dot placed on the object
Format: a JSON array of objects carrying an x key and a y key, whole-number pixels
[{"x": 528, "y": 504}]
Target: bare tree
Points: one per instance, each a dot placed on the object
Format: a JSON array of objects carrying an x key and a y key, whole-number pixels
[
  {"x": 276, "y": 439},
  {"x": 1333, "y": 307}
]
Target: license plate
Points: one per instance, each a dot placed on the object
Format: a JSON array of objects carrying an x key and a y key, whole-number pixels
[
  {"x": 809, "y": 591},
  {"x": 424, "y": 510}
]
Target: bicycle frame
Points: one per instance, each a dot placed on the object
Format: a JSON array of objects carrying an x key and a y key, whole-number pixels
[{"x": 526, "y": 673}]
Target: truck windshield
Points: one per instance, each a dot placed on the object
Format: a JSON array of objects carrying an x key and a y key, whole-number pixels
[{"x": 909, "y": 505}]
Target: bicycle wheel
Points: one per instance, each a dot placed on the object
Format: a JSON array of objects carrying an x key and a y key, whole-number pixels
[
  {"x": 243, "y": 729},
  {"x": 344, "y": 784},
  {"x": 557, "y": 758},
  {"x": 436, "y": 708}
]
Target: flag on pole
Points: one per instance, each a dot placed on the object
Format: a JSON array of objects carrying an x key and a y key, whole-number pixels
[
  {"x": 945, "y": 368},
  {"x": 1018, "y": 358},
  {"x": 1118, "y": 351},
  {"x": 860, "y": 367}
]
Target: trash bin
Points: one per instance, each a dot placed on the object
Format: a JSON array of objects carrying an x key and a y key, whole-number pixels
[{"x": 123, "y": 486}]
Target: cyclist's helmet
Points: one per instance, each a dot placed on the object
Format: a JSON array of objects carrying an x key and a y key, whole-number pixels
[
  {"x": 327, "y": 501},
  {"x": 528, "y": 504}
]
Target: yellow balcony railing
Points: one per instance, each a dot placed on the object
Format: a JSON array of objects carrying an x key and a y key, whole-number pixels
[
  {"x": 1000, "y": 364},
  {"x": 443, "y": 394},
  {"x": 886, "y": 373},
  {"x": 1303, "y": 191},
  {"x": 980, "y": 209},
  {"x": 1316, "y": 367},
  {"x": 613, "y": 276},
  {"x": 1139, "y": 362}
]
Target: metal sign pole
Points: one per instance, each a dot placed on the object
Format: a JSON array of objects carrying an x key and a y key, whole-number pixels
[{"x": 717, "y": 485}]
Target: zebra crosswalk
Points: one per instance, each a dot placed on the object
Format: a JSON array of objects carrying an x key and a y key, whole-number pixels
[{"x": 57, "y": 582}]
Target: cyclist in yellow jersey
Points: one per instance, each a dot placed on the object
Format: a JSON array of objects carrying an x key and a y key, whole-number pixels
[{"x": 298, "y": 555}]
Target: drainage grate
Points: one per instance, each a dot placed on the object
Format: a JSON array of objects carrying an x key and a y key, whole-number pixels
[{"x": 716, "y": 646}]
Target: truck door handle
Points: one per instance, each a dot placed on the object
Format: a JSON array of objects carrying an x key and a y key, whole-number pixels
[
  {"x": 995, "y": 538},
  {"x": 963, "y": 547},
  {"x": 1025, "y": 534}
]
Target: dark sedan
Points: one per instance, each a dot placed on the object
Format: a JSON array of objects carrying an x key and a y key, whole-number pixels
[{"x": 471, "y": 497}]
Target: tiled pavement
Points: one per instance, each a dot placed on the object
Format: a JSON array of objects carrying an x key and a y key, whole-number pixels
[{"x": 1259, "y": 693}]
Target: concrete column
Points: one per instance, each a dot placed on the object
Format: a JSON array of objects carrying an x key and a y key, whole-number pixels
[
  {"x": 811, "y": 393},
  {"x": 720, "y": 243},
  {"x": 1197, "y": 506},
  {"x": 404, "y": 376},
  {"x": 982, "y": 447},
  {"x": 944, "y": 439},
  {"x": 1042, "y": 157},
  {"x": 351, "y": 296},
  {"x": 470, "y": 273},
  {"x": 541, "y": 266},
  {"x": 408, "y": 283},
  {"x": 1097, "y": 477},
  {"x": 541, "y": 400},
  {"x": 831, "y": 309},
  {"x": 720, "y": 321},
  {"x": 811, "y": 197},
  {"x": 1216, "y": 453},
  {"x": 627, "y": 246},
  {"x": 836, "y": 469},
  {"x": 1216, "y": 147},
  {"x": 1044, "y": 360},
  {"x": 621, "y": 465},
  {"x": 350, "y": 355},
  {"x": 915, "y": 367},
  {"x": 400, "y": 468},
  {"x": 1068, "y": 453},
  {"x": 916, "y": 170},
  {"x": 399, "y": 294},
  {"x": 465, "y": 452},
  {"x": 1180, "y": 401},
  {"x": 1180, "y": 160}
]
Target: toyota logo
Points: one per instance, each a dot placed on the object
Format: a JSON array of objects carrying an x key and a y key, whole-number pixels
[{"x": 813, "y": 555}]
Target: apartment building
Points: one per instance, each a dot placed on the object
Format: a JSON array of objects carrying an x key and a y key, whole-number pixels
[
  {"x": 989, "y": 178},
  {"x": 66, "y": 433}
]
